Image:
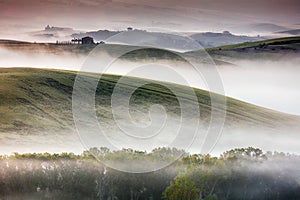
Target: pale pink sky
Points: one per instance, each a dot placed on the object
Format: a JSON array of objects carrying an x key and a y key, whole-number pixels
[{"x": 188, "y": 15}]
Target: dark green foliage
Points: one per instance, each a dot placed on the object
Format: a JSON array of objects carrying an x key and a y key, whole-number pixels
[{"x": 245, "y": 173}]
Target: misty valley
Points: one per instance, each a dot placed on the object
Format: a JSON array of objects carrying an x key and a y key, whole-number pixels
[{"x": 137, "y": 114}]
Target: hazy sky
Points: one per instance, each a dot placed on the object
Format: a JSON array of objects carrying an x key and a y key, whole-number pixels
[{"x": 188, "y": 15}]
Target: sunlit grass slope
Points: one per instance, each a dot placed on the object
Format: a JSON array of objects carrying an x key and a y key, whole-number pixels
[{"x": 34, "y": 100}]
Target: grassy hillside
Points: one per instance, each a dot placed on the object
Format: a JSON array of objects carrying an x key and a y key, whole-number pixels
[
  {"x": 33, "y": 100},
  {"x": 288, "y": 43},
  {"x": 265, "y": 49}
]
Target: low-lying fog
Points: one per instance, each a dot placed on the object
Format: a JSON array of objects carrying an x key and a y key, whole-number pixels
[{"x": 270, "y": 83}]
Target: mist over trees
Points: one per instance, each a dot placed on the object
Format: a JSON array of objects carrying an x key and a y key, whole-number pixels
[{"x": 245, "y": 173}]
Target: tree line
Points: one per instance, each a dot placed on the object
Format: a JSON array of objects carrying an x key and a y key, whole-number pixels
[{"x": 243, "y": 173}]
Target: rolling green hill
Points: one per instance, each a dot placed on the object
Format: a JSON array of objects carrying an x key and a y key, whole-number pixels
[
  {"x": 287, "y": 43},
  {"x": 273, "y": 49},
  {"x": 265, "y": 49},
  {"x": 35, "y": 100}
]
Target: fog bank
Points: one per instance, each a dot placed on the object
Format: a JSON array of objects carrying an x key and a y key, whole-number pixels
[{"x": 268, "y": 83}]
